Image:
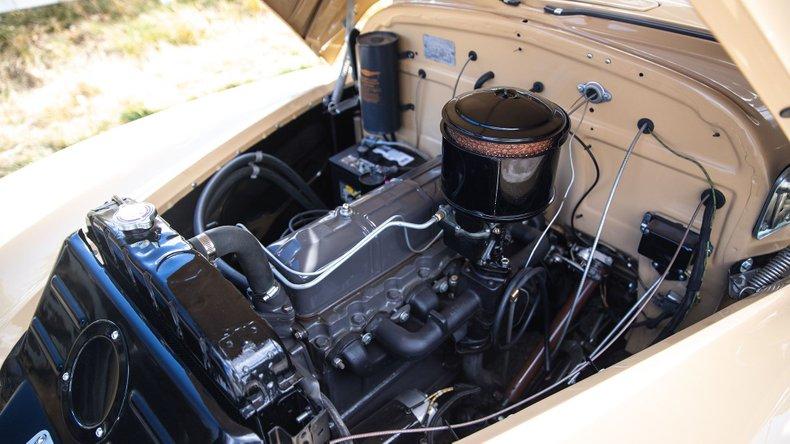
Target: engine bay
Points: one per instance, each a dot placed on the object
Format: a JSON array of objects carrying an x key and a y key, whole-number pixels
[{"x": 371, "y": 275}]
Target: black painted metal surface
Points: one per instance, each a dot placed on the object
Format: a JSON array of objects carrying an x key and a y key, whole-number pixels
[
  {"x": 499, "y": 153},
  {"x": 178, "y": 371}
]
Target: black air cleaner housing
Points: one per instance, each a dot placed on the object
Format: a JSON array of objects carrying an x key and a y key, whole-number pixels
[{"x": 499, "y": 152}]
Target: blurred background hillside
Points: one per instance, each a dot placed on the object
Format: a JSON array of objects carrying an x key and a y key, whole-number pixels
[{"x": 71, "y": 70}]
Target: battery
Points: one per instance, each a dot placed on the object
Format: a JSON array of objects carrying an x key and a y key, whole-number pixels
[{"x": 361, "y": 168}]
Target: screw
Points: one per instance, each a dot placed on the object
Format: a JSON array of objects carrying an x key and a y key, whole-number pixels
[
  {"x": 65, "y": 376},
  {"x": 358, "y": 318},
  {"x": 338, "y": 363},
  {"x": 589, "y": 55},
  {"x": 367, "y": 338},
  {"x": 115, "y": 335},
  {"x": 654, "y": 264},
  {"x": 608, "y": 61},
  {"x": 99, "y": 432},
  {"x": 453, "y": 279},
  {"x": 403, "y": 316},
  {"x": 747, "y": 264},
  {"x": 322, "y": 342},
  {"x": 496, "y": 230},
  {"x": 505, "y": 262},
  {"x": 287, "y": 308},
  {"x": 345, "y": 210},
  {"x": 299, "y": 334}
]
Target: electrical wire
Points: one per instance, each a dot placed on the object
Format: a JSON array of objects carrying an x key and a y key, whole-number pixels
[
  {"x": 303, "y": 218},
  {"x": 614, "y": 335},
  {"x": 460, "y": 73},
  {"x": 642, "y": 302},
  {"x": 567, "y": 189},
  {"x": 567, "y": 321},
  {"x": 427, "y": 245},
  {"x": 588, "y": 149}
]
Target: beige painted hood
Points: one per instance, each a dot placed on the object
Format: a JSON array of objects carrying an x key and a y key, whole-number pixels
[{"x": 753, "y": 32}]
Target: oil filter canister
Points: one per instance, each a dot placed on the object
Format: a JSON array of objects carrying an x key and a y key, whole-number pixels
[{"x": 377, "y": 55}]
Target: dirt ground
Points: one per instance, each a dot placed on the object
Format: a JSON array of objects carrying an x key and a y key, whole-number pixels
[{"x": 61, "y": 83}]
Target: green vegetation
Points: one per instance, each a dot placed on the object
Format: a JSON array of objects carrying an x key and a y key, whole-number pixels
[{"x": 71, "y": 70}]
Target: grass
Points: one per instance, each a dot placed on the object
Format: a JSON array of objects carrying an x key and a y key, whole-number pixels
[{"x": 71, "y": 70}]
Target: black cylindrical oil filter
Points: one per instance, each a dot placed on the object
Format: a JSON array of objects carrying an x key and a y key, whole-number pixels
[
  {"x": 499, "y": 152},
  {"x": 377, "y": 55}
]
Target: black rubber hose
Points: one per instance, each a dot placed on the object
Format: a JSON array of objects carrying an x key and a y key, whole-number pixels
[
  {"x": 228, "y": 176},
  {"x": 294, "y": 178},
  {"x": 201, "y": 208},
  {"x": 225, "y": 186},
  {"x": 236, "y": 240},
  {"x": 695, "y": 280},
  {"x": 519, "y": 280},
  {"x": 413, "y": 345}
]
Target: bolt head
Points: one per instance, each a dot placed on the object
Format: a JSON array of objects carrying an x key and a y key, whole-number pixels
[
  {"x": 367, "y": 338},
  {"x": 747, "y": 265},
  {"x": 99, "y": 432},
  {"x": 65, "y": 376},
  {"x": 338, "y": 363},
  {"x": 589, "y": 55},
  {"x": 404, "y": 316},
  {"x": 115, "y": 335}
]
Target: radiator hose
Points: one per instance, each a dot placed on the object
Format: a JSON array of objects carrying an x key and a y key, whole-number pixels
[
  {"x": 246, "y": 166},
  {"x": 220, "y": 241}
]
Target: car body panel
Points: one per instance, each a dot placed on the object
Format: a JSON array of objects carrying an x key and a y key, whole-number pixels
[
  {"x": 156, "y": 159},
  {"x": 756, "y": 36},
  {"x": 725, "y": 378}
]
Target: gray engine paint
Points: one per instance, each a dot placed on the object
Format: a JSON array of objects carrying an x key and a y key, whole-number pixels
[{"x": 415, "y": 196}]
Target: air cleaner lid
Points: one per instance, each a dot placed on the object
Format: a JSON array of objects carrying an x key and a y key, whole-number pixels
[{"x": 504, "y": 115}]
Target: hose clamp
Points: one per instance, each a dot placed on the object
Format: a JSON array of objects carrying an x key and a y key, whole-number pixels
[
  {"x": 271, "y": 292},
  {"x": 208, "y": 246},
  {"x": 255, "y": 171}
]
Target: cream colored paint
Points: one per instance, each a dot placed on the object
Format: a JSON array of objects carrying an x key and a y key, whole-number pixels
[
  {"x": 756, "y": 35},
  {"x": 723, "y": 380},
  {"x": 156, "y": 159}
]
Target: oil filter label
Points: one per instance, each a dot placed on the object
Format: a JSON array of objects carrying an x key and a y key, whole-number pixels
[
  {"x": 438, "y": 49},
  {"x": 370, "y": 87}
]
